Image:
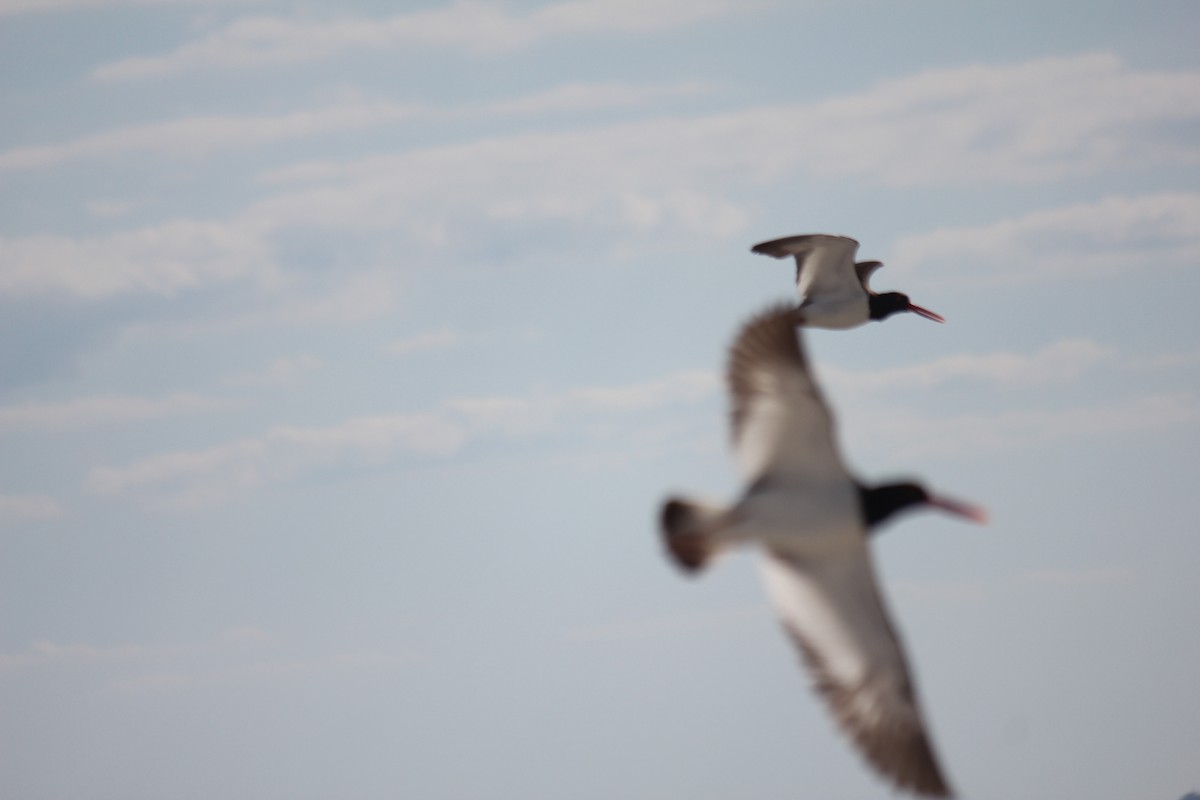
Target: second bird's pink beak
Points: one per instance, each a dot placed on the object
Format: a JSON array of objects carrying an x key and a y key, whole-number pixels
[{"x": 972, "y": 512}]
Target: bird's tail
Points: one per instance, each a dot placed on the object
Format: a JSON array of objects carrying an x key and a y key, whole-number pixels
[{"x": 690, "y": 532}]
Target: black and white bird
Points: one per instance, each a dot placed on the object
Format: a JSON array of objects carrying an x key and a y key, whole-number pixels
[
  {"x": 810, "y": 517},
  {"x": 833, "y": 288}
]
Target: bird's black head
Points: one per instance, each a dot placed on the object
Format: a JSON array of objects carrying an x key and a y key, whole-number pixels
[
  {"x": 882, "y": 306},
  {"x": 880, "y": 502}
]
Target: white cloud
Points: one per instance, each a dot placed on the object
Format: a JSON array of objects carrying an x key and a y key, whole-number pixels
[
  {"x": 164, "y": 259},
  {"x": 193, "y": 137},
  {"x": 590, "y": 97},
  {"x": 674, "y": 178},
  {"x": 972, "y": 590},
  {"x": 282, "y": 371},
  {"x": 472, "y": 26},
  {"x": 46, "y": 653},
  {"x": 1061, "y": 362},
  {"x": 202, "y": 477},
  {"x": 198, "y": 136},
  {"x": 1178, "y": 360},
  {"x": 86, "y": 412},
  {"x": 237, "y": 655},
  {"x": 268, "y": 671},
  {"x": 358, "y": 298},
  {"x": 14, "y": 7},
  {"x": 1113, "y": 235},
  {"x": 430, "y": 340},
  {"x": 101, "y": 208},
  {"x": 49, "y": 652},
  {"x": 28, "y": 507},
  {"x": 681, "y": 387},
  {"x": 213, "y": 475},
  {"x": 611, "y": 414},
  {"x": 671, "y": 182},
  {"x": 362, "y": 297},
  {"x": 1094, "y": 576},
  {"x": 914, "y": 434},
  {"x": 671, "y": 626},
  {"x": 521, "y": 416}
]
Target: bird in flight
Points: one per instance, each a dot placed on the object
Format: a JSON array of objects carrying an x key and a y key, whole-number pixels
[
  {"x": 833, "y": 289},
  {"x": 811, "y": 518}
]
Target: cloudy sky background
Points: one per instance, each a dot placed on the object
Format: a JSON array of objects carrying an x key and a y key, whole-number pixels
[{"x": 346, "y": 351}]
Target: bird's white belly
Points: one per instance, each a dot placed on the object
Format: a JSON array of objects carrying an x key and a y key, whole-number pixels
[
  {"x": 818, "y": 519},
  {"x": 836, "y": 311}
]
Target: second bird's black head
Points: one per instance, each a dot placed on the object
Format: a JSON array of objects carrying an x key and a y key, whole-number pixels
[{"x": 880, "y": 502}]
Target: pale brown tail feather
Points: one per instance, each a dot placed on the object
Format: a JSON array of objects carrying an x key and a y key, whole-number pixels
[{"x": 688, "y": 530}]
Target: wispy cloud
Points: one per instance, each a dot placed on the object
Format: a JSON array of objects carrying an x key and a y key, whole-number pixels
[
  {"x": 678, "y": 176},
  {"x": 28, "y": 507},
  {"x": 45, "y": 653},
  {"x": 519, "y": 416},
  {"x": 280, "y": 372},
  {"x": 674, "y": 182},
  {"x": 471, "y": 26},
  {"x": 273, "y": 671},
  {"x": 193, "y": 137},
  {"x": 1094, "y": 576},
  {"x": 14, "y": 7},
  {"x": 1061, "y": 362},
  {"x": 237, "y": 655},
  {"x": 199, "y": 136},
  {"x": 217, "y": 474},
  {"x": 430, "y": 340},
  {"x": 85, "y": 412},
  {"x": 163, "y": 259},
  {"x": 971, "y": 590},
  {"x": 672, "y": 626},
  {"x": 1110, "y": 236},
  {"x": 616, "y": 415},
  {"x": 1177, "y": 360},
  {"x": 105, "y": 209},
  {"x": 918, "y": 434}
]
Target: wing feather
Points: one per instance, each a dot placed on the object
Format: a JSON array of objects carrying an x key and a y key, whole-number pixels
[
  {"x": 864, "y": 270},
  {"x": 780, "y": 422},
  {"x": 831, "y": 609},
  {"x": 824, "y": 263}
]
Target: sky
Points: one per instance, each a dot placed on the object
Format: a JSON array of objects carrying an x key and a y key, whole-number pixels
[{"x": 347, "y": 351}]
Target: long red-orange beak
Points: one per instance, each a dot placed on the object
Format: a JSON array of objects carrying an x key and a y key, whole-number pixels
[
  {"x": 972, "y": 512},
  {"x": 925, "y": 312}
]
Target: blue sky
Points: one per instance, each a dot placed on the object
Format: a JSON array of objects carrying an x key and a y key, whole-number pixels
[{"x": 347, "y": 350}]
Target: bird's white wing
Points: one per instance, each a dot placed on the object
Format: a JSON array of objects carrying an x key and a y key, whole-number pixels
[
  {"x": 824, "y": 264},
  {"x": 831, "y": 609},
  {"x": 864, "y": 270},
  {"x": 779, "y": 420}
]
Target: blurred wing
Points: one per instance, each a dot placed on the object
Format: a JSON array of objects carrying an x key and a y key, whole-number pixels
[
  {"x": 864, "y": 270},
  {"x": 831, "y": 609},
  {"x": 780, "y": 422},
  {"x": 824, "y": 263}
]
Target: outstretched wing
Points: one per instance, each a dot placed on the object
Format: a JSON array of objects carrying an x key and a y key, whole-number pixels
[
  {"x": 832, "y": 611},
  {"x": 779, "y": 421},
  {"x": 824, "y": 263},
  {"x": 864, "y": 270}
]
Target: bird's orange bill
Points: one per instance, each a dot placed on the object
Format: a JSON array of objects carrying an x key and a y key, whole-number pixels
[
  {"x": 925, "y": 312},
  {"x": 972, "y": 512}
]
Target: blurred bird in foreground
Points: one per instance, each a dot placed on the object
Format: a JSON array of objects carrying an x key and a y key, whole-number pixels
[{"x": 811, "y": 518}]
